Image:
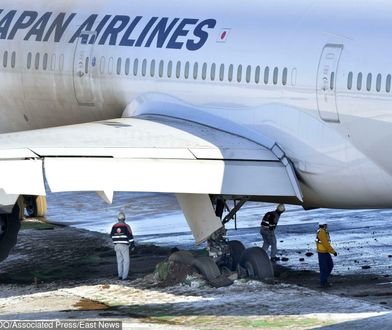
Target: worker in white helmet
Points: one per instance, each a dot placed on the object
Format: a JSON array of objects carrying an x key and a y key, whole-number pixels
[
  {"x": 122, "y": 239},
  {"x": 324, "y": 251},
  {"x": 267, "y": 230}
]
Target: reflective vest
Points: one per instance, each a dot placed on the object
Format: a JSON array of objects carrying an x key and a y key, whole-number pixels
[
  {"x": 323, "y": 242},
  {"x": 121, "y": 234},
  {"x": 270, "y": 220}
]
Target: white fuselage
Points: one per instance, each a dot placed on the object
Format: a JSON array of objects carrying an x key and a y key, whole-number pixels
[{"x": 315, "y": 78}]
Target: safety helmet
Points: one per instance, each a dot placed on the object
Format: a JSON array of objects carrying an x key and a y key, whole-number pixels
[
  {"x": 121, "y": 216},
  {"x": 323, "y": 222},
  {"x": 280, "y": 208}
]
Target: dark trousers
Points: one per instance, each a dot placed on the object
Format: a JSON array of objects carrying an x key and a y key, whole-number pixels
[{"x": 326, "y": 266}]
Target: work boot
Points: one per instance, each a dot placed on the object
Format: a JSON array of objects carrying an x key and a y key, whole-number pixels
[{"x": 325, "y": 285}]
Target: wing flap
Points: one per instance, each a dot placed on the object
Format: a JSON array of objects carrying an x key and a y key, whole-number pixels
[
  {"x": 234, "y": 154},
  {"x": 123, "y": 152},
  {"x": 168, "y": 175},
  {"x": 16, "y": 154},
  {"x": 151, "y": 154},
  {"x": 22, "y": 177}
]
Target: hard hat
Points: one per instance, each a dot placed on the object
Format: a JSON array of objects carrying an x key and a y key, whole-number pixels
[
  {"x": 323, "y": 222},
  {"x": 121, "y": 216},
  {"x": 281, "y": 208}
]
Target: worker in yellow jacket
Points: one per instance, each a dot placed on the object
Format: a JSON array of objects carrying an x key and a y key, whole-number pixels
[{"x": 324, "y": 250}]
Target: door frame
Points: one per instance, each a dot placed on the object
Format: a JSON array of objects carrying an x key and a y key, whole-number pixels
[
  {"x": 84, "y": 66},
  {"x": 326, "y": 86}
]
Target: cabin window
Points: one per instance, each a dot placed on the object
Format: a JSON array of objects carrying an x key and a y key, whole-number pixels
[
  {"x": 369, "y": 82},
  {"x": 257, "y": 74},
  {"x": 152, "y": 68},
  {"x": 332, "y": 81},
  {"x": 231, "y": 72},
  {"x": 186, "y": 72},
  {"x": 45, "y": 62},
  {"x": 102, "y": 65},
  {"x": 127, "y": 66},
  {"x": 378, "y": 82},
  {"x": 161, "y": 68},
  {"x": 29, "y": 60},
  {"x": 169, "y": 69},
  {"x": 5, "y": 59},
  {"x": 212, "y": 73},
  {"x": 144, "y": 67},
  {"x": 178, "y": 69},
  {"x": 266, "y": 75},
  {"x": 110, "y": 65},
  {"x": 86, "y": 63},
  {"x": 350, "y": 81},
  {"x": 53, "y": 62},
  {"x": 284, "y": 77},
  {"x": 119, "y": 65},
  {"x": 275, "y": 76},
  {"x": 388, "y": 83},
  {"x": 248, "y": 73},
  {"x": 294, "y": 77},
  {"x": 13, "y": 59},
  {"x": 204, "y": 71},
  {"x": 359, "y": 81},
  {"x": 239, "y": 73},
  {"x": 135, "y": 67},
  {"x": 195, "y": 70},
  {"x": 61, "y": 62},
  {"x": 37, "y": 59},
  {"x": 222, "y": 72}
]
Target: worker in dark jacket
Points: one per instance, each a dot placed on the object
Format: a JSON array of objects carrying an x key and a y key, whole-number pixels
[
  {"x": 324, "y": 250},
  {"x": 267, "y": 230},
  {"x": 122, "y": 238}
]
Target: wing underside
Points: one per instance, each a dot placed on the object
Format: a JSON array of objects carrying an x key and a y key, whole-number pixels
[{"x": 151, "y": 154}]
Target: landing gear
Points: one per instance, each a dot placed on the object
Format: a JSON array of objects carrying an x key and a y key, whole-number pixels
[
  {"x": 204, "y": 265},
  {"x": 257, "y": 264},
  {"x": 232, "y": 255},
  {"x": 206, "y": 218},
  {"x": 218, "y": 247},
  {"x": 225, "y": 253},
  {"x": 236, "y": 250},
  {"x": 207, "y": 267},
  {"x": 35, "y": 206},
  {"x": 9, "y": 228}
]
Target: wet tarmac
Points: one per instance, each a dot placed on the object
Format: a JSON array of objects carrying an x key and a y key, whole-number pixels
[
  {"x": 362, "y": 238},
  {"x": 66, "y": 273},
  {"x": 76, "y": 268}
]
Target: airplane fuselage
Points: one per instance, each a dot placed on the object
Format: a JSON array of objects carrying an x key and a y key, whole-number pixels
[{"x": 315, "y": 78}]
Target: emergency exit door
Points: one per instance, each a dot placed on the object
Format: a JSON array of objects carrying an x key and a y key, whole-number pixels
[
  {"x": 84, "y": 69},
  {"x": 326, "y": 82}
]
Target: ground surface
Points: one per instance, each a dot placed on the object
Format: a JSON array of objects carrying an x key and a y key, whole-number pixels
[{"x": 67, "y": 273}]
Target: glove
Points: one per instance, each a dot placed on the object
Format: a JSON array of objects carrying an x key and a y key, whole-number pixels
[
  {"x": 335, "y": 254},
  {"x": 132, "y": 247}
]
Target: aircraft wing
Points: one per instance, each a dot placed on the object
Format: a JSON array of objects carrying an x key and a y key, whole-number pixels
[{"x": 146, "y": 154}]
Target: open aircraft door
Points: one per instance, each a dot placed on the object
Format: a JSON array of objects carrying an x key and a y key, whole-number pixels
[
  {"x": 326, "y": 82},
  {"x": 84, "y": 70}
]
